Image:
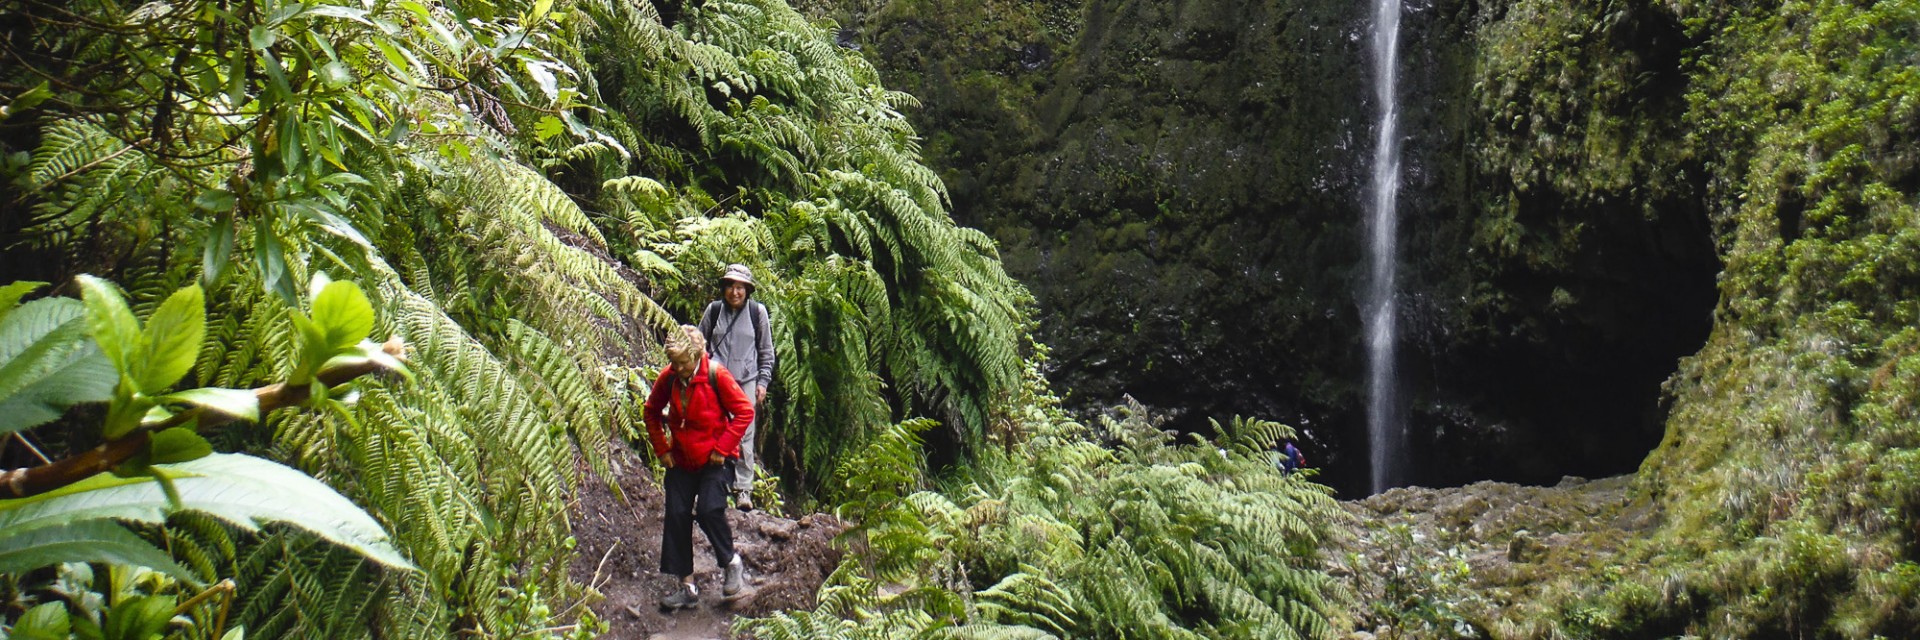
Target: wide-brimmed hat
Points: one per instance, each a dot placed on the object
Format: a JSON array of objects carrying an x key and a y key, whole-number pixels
[{"x": 741, "y": 274}]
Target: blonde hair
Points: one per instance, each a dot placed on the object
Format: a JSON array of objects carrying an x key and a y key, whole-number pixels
[{"x": 684, "y": 347}]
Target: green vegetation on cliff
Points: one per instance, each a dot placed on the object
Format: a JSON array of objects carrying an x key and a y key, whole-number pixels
[
  {"x": 1180, "y": 184},
  {"x": 1791, "y": 467},
  {"x": 1782, "y": 497},
  {"x": 528, "y": 192}
]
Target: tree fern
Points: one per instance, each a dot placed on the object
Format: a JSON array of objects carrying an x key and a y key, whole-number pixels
[
  {"x": 303, "y": 590},
  {"x": 825, "y": 167},
  {"x": 83, "y": 173}
]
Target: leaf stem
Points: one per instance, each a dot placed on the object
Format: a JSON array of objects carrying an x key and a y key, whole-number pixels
[{"x": 32, "y": 481}]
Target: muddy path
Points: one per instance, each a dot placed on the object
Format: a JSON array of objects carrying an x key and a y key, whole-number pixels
[{"x": 619, "y": 557}]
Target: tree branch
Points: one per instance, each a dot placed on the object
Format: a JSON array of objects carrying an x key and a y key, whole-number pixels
[{"x": 33, "y": 481}]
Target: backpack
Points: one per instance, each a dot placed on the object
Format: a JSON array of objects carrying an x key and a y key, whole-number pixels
[{"x": 1291, "y": 459}]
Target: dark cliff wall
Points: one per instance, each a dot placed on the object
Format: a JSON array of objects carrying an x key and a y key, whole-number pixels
[
  {"x": 1180, "y": 184},
  {"x": 1560, "y": 258}
]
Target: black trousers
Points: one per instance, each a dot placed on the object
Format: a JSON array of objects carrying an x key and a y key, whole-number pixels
[{"x": 696, "y": 496}]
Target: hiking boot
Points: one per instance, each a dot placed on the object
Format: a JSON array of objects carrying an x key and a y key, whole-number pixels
[
  {"x": 736, "y": 577},
  {"x": 743, "y": 500},
  {"x": 682, "y": 598}
]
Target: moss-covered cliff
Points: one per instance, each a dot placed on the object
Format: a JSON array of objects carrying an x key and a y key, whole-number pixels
[
  {"x": 1791, "y": 466},
  {"x": 1127, "y": 158},
  {"x": 1788, "y": 482},
  {"x": 1180, "y": 184},
  {"x": 1594, "y": 190}
]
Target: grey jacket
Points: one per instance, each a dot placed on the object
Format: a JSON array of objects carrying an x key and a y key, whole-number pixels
[{"x": 742, "y": 340}]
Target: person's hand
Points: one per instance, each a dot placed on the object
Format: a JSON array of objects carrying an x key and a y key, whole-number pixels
[
  {"x": 716, "y": 458},
  {"x": 759, "y": 395}
]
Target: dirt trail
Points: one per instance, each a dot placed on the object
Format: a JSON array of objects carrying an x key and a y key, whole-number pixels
[{"x": 619, "y": 555}]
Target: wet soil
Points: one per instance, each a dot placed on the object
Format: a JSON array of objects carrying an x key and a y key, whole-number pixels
[{"x": 619, "y": 557}]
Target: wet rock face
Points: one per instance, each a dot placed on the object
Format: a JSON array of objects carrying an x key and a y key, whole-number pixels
[
  {"x": 1200, "y": 220},
  {"x": 1176, "y": 181},
  {"x": 1558, "y": 259},
  {"x": 1179, "y": 183}
]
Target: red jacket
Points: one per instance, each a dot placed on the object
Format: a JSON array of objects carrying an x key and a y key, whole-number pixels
[{"x": 698, "y": 424}]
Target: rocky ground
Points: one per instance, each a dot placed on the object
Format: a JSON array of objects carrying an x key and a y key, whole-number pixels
[
  {"x": 1465, "y": 562},
  {"x": 619, "y": 556},
  {"x": 1460, "y": 562}
]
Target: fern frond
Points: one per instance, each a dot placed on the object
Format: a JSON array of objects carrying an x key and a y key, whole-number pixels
[{"x": 1027, "y": 598}]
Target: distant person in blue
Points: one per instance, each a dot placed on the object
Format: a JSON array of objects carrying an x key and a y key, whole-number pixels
[{"x": 1291, "y": 460}]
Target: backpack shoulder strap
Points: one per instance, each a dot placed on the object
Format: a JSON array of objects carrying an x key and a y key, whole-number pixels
[
  {"x": 713, "y": 380},
  {"x": 760, "y": 320},
  {"x": 709, "y": 319}
]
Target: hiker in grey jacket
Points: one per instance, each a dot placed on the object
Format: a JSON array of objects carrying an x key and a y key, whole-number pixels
[{"x": 738, "y": 334}]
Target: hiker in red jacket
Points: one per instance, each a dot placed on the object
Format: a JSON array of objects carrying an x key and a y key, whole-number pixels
[{"x": 696, "y": 415}]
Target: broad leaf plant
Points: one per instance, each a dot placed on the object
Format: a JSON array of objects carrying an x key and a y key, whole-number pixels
[{"x": 57, "y": 353}]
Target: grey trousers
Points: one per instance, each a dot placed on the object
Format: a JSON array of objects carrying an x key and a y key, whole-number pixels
[{"x": 749, "y": 459}]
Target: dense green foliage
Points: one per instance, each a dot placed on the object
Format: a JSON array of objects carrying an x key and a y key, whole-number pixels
[
  {"x": 871, "y": 284},
  {"x": 57, "y": 353},
  {"x": 529, "y": 191},
  {"x": 525, "y": 190},
  {"x": 1579, "y": 171},
  {"x": 1121, "y": 530}
]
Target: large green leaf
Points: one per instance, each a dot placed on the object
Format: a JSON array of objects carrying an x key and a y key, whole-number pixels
[
  {"x": 178, "y": 445},
  {"x": 218, "y": 251},
  {"x": 242, "y": 490},
  {"x": 343, "y": 314},
  {"x": 47, "y": 364},
  {"x": 111, "y": 322},
  {"x": 239, "y": 403},
  {"x": 171, "y": 341},
  {"x": 270, "y": 259},
  {"x": 95, "y": 540}
]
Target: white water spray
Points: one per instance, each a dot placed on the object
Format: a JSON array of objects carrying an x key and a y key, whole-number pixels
[{"x": 1385, "y": 430}]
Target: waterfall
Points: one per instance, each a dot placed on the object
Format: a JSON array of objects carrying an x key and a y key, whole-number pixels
[{"x": 1385, "y": 429}]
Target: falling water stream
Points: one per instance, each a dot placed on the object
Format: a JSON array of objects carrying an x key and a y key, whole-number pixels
[{"x": 1385, "y": 429}]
